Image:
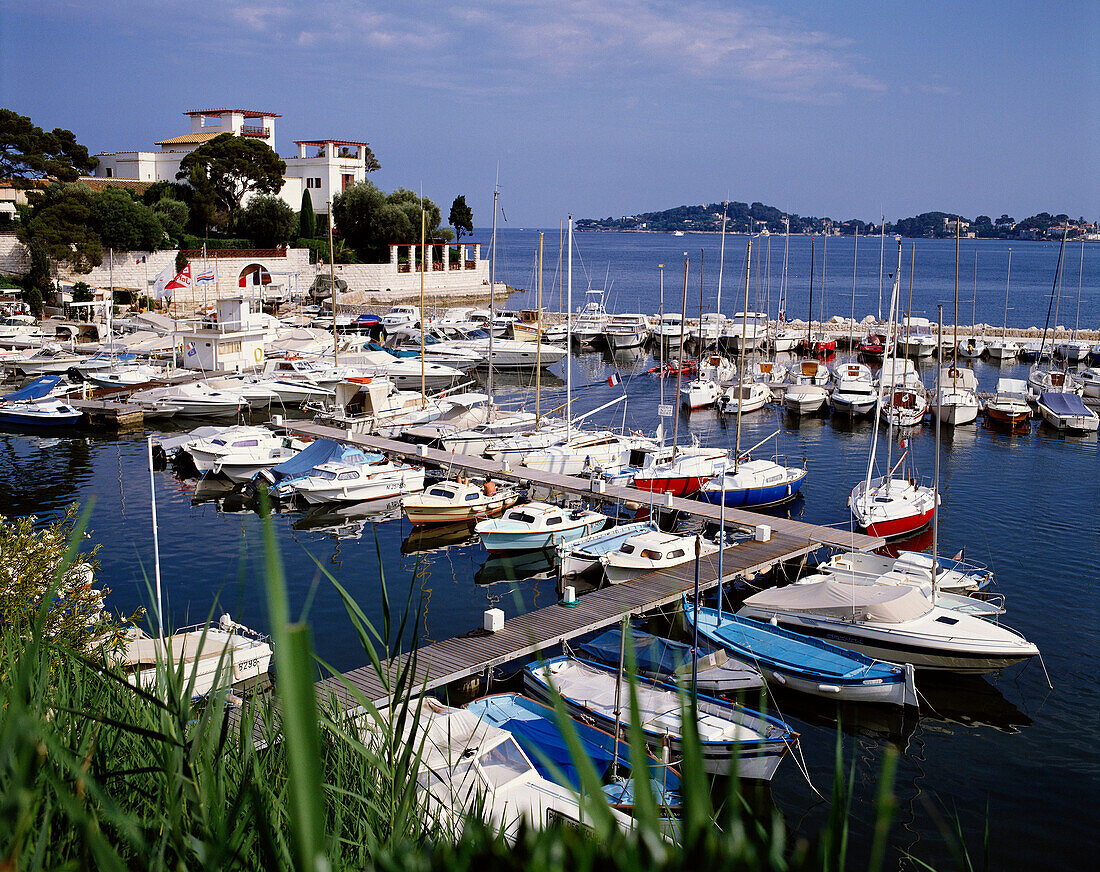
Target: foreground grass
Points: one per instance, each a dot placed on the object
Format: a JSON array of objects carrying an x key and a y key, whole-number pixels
[{"x": 97, "y": 774}]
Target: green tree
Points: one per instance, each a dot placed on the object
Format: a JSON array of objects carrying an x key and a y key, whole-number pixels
[
  {"x": 368, "y": 222},
  {"x": 40, "y": 575},
  {"x": 307, "y": 221},
  {"x": 173, "y": 215},
  {"x": 235, "y": 166},
  {"x": 411, "y": 203},
  {"x": 461, "y": 217},
  {"x": 267, "y": 221},
  {"x": 126, "y": 224},
  {"x": 62, "y": 226},
  {"x": 27, "y": 152},
  {"x": 82, "y": 293}
]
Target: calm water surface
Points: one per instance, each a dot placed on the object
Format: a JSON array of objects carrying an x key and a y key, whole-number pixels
[{"x": 1026, "y": 504}]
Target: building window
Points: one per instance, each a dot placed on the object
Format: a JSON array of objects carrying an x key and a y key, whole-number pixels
[
  {"x": 109, "y": 172},
  {"x": 346, "y": 179},
  {"x": 313, "y": 183}
]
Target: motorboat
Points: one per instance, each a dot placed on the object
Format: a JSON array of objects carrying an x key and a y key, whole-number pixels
[
  {"x": 537, "y": 729},
  {"x": 192, "y": 400},
  {"x": 784, "y": 340},
  {"x": 971, "y": 348},
  {"x": 710, "y": 329},
  {"x": 952, "y": 574},
  {"x": 241, "y": 452},
  {"x": 19, "y": 327},
  {"x": 891, "y": 622},
  {"x": 1002, "y": 350},
  {"x": 905, "y": 408},
  {"x": 400, "y": 318},
  {"x": 537, "y": 526},
  {"x": 916, "y": 339},
  {"x": 1009, "y": 406},
  {"x": 803, "y": 396},
  {"x": 124, "y": 376},
  {"x": 626, "y": 331},
  {"x": 449, "y": 502},
  {"x": 1071, "y": 352},
  {"x": 892, "y": 507},
  {"x": 44, "y": 412},
  {"x": 407, "y": 372},
  {"x": 477, "y": 438},
  {"x": 581, "y": 452},
  {"x": 377, "y": 479},
  {"x": 755, "y": 483},
  {"x": 45, "y": 361},
  {"x": 854, "y": 391},
  {"x": 1067, "y": 411},
  {"x": 1051, "y": 381},
  {"x": 1090, "y": 381},
  {"x": 506, "y": 353},
  {"x": 369, "y": 405},
  {"x": 651, "y": 551},
  {"x": 669, "y": 329},
  {"x": 1034, "y": 350},
  {"x": 582, "y": 555},
  {"x": 799, "y": 662},
  {"x": 285, "y": 475},
  {"x": 699, "y": 393},
  {"x": 470, "y": 769},
  {"x": 957, "y": 399},
  {"x": 208, "y": 658},
  {"x": 747, "y": 396},
  {"x": 754, "y": 327},
  {"x": 734, "y": 739},
  {"x": 589, "y": 324},
  {"x": 679, "y": 470},
  {"x": 873, "y": 346},
  {"x": 661, "y": 659}
]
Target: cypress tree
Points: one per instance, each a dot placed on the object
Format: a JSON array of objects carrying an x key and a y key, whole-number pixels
[{"x": 307, "y": 223}]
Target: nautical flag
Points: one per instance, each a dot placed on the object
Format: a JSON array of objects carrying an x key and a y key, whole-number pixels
[
  {"x": 161, "y": 281},
  {"x": 140, "y": 259},
  {"x": 904, "y": 443},
  {"x": 190, "y": 349},
  {"x": 613, "y": 379},
  {"x": 206, "y": 277},
  {"x": 182, "y": 279}
]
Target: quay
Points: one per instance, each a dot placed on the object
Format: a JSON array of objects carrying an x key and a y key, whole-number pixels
[{"x": 444, "y": 662}]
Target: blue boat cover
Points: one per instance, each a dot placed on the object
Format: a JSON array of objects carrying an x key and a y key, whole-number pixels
[
  {"x": 1065, "y": 404},
  {"x": 654, "y": 655},
  {"x": 317, "y": 452},
  {"x": 36, "y": 390}
]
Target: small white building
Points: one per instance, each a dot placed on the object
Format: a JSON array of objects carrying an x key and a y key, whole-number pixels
[
  {"x": 234, "y": 341},
  {"x": 324, "y": 167}
]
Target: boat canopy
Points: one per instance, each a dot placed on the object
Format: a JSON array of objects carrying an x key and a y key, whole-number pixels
[
  {"x": 36, "y": 390},
  {"x": 880, "y": 603},
  {"x": 314, "y": 454},
  {"x": 1065, "y": 403},
  {"x": 653, "y": 655}
]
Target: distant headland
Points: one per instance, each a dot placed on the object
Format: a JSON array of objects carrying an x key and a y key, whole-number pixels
[{"x": 754, "y": 217}]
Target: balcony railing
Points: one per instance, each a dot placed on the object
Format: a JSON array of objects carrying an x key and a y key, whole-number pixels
[{"x": 252, "y": 130}]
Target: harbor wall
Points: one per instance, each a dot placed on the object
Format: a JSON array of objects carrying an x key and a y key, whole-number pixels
[{"x": 15, "y": 259}]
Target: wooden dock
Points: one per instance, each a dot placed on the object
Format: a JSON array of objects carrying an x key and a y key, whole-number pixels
[
  {"x": 441, "y": 663},
  {"x": 110, "y": 413}
]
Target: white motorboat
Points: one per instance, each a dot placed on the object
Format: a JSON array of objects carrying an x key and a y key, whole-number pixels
[
  {"x": 241, "y": 452},
  {"x": 583, "y": 555},
  {"x": 192, "y": 400},
  {"x": 747, "y": 396},
  {"x": 45, "y": 361},
  {"x": 400, "y": 318},
  {"x": 586, "y": 451},
  {"x": 449, "y": 502},
  {"x": 589, "y": 324},
  {"x": 1002, "y": 350},
  {"x": 710, "y": 329},
  {"x": 784, "y": 340},
  {"x": 893, "y": 622},
  {"x": 537, "y": 526},
  {"x": 899, "y": 373},
  {"x": 971, "y": 348},
  {"x": 854, "y": 391},
  {"x": 124, "y": 376},
  {"x": 957, "y": 399},
  {"x": 209, "y": 658},
  {"x": 508, "y": 353},
  {"x": 334, "y": 482},
  {"x": 651, "y": 551},
  {"x": 804, "y": 398},
  {"x": 477, "y": 438},
  {"x": 1009, "y": 405},
  {"x": 1090, "y": 381},
  {"x": 734, "y": 739},
  {"x": 952, "y": 574},
  {"x": 470, "y": 769},
  {"x": 754, "y": 326},
  {"x": 917, "y": 338},
  {"x": 905, "y": 408},
  {"x": 1067, "y": 411},
  {"x": 626, "y": 331},
  {"x": 44, "y": 412},
  {"x": 700, "y": 392},
  {"x": 669, "y": 329},
  {"x": 19, "y": 327}
]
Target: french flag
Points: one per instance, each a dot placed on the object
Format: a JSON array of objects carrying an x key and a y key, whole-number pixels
[{"x": 613, "y": 379}]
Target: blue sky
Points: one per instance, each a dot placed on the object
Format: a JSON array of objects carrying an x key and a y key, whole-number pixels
[{"x": 607, "y": 108}]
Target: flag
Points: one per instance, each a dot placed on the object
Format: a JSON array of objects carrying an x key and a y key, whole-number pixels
[
  {"x": 161, "y": 281},
  {"x": 613, "y": 379},
  {"x": 140, "y": 260},
  {"x": 961, "y": 555},
  {"x": 904, "y": 443},
  {"x": 206, "y": 277},
  {"x": 190, "y": 349},
  {"x": 182, "y": 279}
]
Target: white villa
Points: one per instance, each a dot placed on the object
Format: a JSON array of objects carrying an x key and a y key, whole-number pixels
[{"x": 324, "y": 167}]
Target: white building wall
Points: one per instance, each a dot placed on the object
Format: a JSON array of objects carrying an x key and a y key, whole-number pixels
[{"x": 15, "y": 259}]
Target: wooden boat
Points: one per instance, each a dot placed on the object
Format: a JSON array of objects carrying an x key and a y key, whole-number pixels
[
  {"x": 734, "y": 739},
  {"x": 449, "y": 502},
  {"x": 1009, "y": 406}
]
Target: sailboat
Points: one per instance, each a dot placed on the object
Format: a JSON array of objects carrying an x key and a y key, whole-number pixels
[
  {"x": 957, "y": 396},
  {"x": 784, "y": 339},
  {"x": 887, "y": 506},
  {"x": 973, "y": 346},
  {"x": 1004, "y": 349}
]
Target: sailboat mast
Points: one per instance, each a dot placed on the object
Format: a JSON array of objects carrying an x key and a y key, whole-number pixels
[
  {"x": 661, "y": 352},
  {"x": 538, "y": 343},
  {"x": 955, "y": 340},
  {"x": 423, "y": 319},
  {"x": 1008, "y": 282},
  {"x": 680, "y": 359},
  {"x": 332, "y": 284},
  {"x": 936, "y": 473},
  {"x": 881, "y": 253},
  {"x": 702, "y": 338},
  {"x": 569, "y": 331},
  {"x": 810, "y": 313},
  {"x": 894, "y": 293},
  {"x": 741, "y": 373},
  {"x": 852, "y": 323},
  {"x": 492, "y": 296},
  {"x": 721, "y": 262},
  {"x": 782, "y": 307}
]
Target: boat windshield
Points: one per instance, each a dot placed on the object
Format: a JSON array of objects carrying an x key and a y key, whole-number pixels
[
  {"x": 324, "y": 474},
  {"x": 504, "y": 763},
  {"x": 441, "y": 492}
]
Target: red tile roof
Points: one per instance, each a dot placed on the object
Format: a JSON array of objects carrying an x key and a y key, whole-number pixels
[
  {"x": 248, "y": 113},
  {"x": 328, "y": 142}
]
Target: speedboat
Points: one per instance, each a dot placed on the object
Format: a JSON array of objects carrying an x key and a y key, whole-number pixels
[
  {"x": 45, "y": 412},
  {"x": 1090, "y": 381},
  {"x": 538, "y": 526},
  {"x": 333, "y": 481},
  {"x": 210, "y": 657},
  {"x": 1067, "y": 411},
  {"x": 583, "y": 452},
  {"x": 953, "y": 574},
  {"x": 892, "y": 507},
  {"x": 747, "y": 396},
  {"x": 401, "y": 317},
  {"x": 800, "y": 662},
  {"x": 957, "y": 399},
  {"x": 916, "y": 339},
  {"x": 582, "y": 555},
  {"x": 1009, "y": 405},
  {"x": 650, "y": 551},
  {"x": 1002, "y": 350},
  {"x": 854, "y": 393},
  {"x": 891, "y": 622},
  {"x": 124, "y": 376},
  {"x": 241, "y": 452},
  {"x": 626, "y": 331},
  {"x": 710, "y": 329},
  {"x": 670, "y": 329},
  {"x": 661, "y": 659},
  {"x": 451, "y": 501},
  {"x": 755, "y": 483},
  {"x": 734, "y": 739},
  {"x": 46, "y": 361},
  {"x": 590, "y": 322},
  {"x": 754, "y": 326},
  {"x": 971, "y": 348},
  {"x": 806, "y": 392},
  {"x": 193, "y": 399}
]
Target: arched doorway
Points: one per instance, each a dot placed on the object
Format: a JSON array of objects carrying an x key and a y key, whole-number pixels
[{"x": 254, "y": 275}]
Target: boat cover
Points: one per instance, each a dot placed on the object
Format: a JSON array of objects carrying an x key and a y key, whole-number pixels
[
  {"x": 653, "y": 655},
  {"x": 36, "y": 390},
  {"x": 317, "y": 452},
  {"x": 880, "y": 603},
  {"x": 1065, "y": 404}
]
